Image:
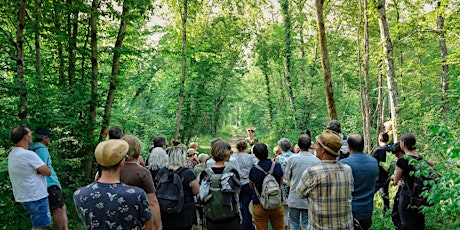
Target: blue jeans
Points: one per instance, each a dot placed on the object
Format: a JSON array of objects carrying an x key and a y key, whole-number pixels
[
  {"x": 39, "y": 212},
  {"x": 245, "y": 199},
  {"x": 298, "y": 217}
]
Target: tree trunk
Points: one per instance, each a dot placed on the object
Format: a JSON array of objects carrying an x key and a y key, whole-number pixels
[
  {"x": 72, "y": 27},
  {"x": 20, "y": 61},
  {"x": 287, "y": 55},
  {"x": 385, "y": 39},
  {"x": 57, "y": 23},
  {"x": 115, "y": 70},
  {"x": 38, "y": 57},
  {"x": 445, "y": 66},
  {"x": 94, "y": 79},
  {"x": 365, "y": 89},
  {"x": 183, "y": 69},
  {"x": 380, "y": 108},
  {"x": 325, "y": 61},
  {"x": 269, "y": 97}
]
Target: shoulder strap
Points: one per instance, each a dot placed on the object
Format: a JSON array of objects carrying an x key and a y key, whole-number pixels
[
  {"x": 227, "y": 169},
  {"x": 261, "y": 169},
  {"x": 272, "y": 168},
  {"x": 179, "y": 170},
  {"x": 209, "y": 171}
]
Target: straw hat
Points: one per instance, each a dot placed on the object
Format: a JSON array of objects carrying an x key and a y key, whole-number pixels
[
  {"x": 110, "y": 152},
  {"x": 330, "y": 141}
]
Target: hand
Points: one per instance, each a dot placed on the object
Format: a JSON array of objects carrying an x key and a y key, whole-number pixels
[{"x": 400, "y": 183}]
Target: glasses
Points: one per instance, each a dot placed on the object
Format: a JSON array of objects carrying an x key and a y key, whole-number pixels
[{"x": 249, "y": 130}]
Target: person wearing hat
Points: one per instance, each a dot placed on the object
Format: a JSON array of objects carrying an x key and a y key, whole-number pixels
[
  {"x": 55, "y": 198},
  {"x": 328, "y": 186},
  {"x": 108, "y": 203},
  {"x": 27, "y": 174},
  {"x": 365, "y": 172},
  {"x": 192, "y": 158}
]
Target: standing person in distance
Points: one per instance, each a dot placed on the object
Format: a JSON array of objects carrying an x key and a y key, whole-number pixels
[
  {"x": 411, "y": 218},
  {"x": 395, "y": 217},
  {"x": 55, "y": 198},
  {"x": 365, "y": 171},
  {"x": 27, "y": 175},
  {"x": 328, "y": 186},
  {"x": 250, "y": 138},
  {"x": 335, "y": 126},
  {"x": 108, "y": 203},
  {"x": 383, "y": 154},
  {"x": 297, "y": 164}
]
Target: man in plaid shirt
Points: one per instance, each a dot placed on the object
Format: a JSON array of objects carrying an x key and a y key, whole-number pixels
[{"x": 328, "y": 186}]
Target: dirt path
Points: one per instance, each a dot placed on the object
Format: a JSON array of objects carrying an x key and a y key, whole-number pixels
[{"x": 236, "y": 134}]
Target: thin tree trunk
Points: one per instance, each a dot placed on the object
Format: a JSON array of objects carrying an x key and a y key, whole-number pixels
[
  {"x": 115, "y": 69},
  {"x": 72, "y": 27},
  {"x": 38, "y": 57},
  {"x": 380, "y": 108},
  {"x": 183, "y": 69},
  {"x": 385, "y": 39},
  {"x": 20, "y": 61},
  {"x": 287, "y": 55},
  {"x": 57, "y": 23},
  {"x": 94, "y": 87},
  {"x": 325, "y": 61},
  {"x": 445, "y": 66},
  {"x": 366, "y": 97},
  {"x": 269, "y": 97}
]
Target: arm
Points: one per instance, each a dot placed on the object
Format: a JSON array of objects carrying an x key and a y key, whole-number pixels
[
  {"x": 397, "y": 175},
  {"x": 195, "y": 186},
  {"x": 287, "y": 170},
  {"x": 44, "y": 170},
  {"x": 155, "y": 207},
  {"x": 149, "y": 224}
]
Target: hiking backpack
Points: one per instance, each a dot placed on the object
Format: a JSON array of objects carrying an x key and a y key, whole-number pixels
[
  {"x": 218, "y": 192},
  {"x": 270, "y": 196},
  {"x": 170, "y": 192},
  {"x": 425, "y": 175}
]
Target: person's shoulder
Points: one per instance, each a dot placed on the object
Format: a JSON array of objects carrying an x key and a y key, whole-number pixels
[{"x": 129, "y": 189}]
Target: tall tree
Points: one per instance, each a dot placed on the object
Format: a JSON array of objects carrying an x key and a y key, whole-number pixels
[
  {"x": 365, "y": 97},
  {"x": 385, "y": 39},
  {"x": 287, "y": 54},
  {"x": 20, "y": 61},
  {"x": 445, "y": 65},
  {"x": 183, "y": 14},
  {"x": 325, "y": 60},
  {"x": 38, "y": 57},
  {"x": 72, "y": 29},
  {"x": 115, "y": 68}
]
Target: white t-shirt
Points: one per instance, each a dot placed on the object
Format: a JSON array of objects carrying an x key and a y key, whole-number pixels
[{"x": 28, "y": 185}]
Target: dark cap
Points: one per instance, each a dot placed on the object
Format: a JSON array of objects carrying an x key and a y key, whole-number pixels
[{"x": 44, "y": 132}]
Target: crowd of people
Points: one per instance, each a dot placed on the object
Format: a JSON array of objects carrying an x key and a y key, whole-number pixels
[{"x": 326, "y": 182}]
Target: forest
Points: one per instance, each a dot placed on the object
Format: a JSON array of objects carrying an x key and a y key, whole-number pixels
[{"x": 197, "y": 69}]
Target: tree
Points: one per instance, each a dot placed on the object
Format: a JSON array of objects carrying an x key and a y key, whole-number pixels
[
  {"x": 445, "y": 65},
  {"x": 20, "y": 61},
  {"x": 325, "y": 60}
]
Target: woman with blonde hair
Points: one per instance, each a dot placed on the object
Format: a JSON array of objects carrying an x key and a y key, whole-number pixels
[{"x": 187, "y": 217}]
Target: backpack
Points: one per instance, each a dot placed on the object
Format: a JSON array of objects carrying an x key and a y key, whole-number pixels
[
  {"x": 425, "y": 175},
  {"x": 170, "y": 192},
  {"x": 218, "y": 193},
  {"x": 270, "y": 196}
]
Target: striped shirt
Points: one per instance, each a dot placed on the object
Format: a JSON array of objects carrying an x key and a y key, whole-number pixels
[{"x": 328, "y": 187}]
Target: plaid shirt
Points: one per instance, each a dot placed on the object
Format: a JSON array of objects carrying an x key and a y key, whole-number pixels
[{"x": 328, "y": 187}]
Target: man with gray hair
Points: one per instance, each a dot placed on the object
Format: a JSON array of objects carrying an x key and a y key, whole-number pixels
[
  {"x": 334, "y": 125},
  {"x": 285, "y": 145}
]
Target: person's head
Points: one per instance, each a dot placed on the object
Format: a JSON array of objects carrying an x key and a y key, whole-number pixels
[
  {"x": 388, "y": 126},
  {"x": 383, "y": 137},
  {"x": 328, "y": 144},
  {"x": 175, "y": 142},
  {"x": 221, "y": 151},
  {"x": 304, "y": 142},
  {"x": 177, "y": 157},
  {"x": 193, "y": 145},
  {"x": 202, "y": 158},
  {"x": 285, "y": 144},
  {"x": 160, "y": 141},
  {"x": 241, "y": 145},
  {"x": 396, "y": 150},
  {"x": 191, "y": 153},
  {"x": 158, "y": 158},
  {"x": 355, "y": 143},
  {"x": 277, "y": 150},
  {"x": 135, "y": 147},
  {"x": 43, "y": 135},
  {"x": 334, "y": 125},
  {"x": 21, "y": 133},
  {"x": 215, "y": 140},
  {"x": 261, "y": 151},
  {"x": 109, "y": 154},
  {"x": 115, "y": 133},
  {"x": 305, "y": 132},
  {"x": 251, "y": 131},
  {"x": 408, "y": 142}
]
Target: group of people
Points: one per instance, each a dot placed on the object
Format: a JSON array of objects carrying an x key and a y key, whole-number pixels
[{"x": 324, "y": 183}]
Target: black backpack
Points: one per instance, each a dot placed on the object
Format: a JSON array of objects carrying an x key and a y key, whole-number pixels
[
  {"x": 170, "y": 192},
  {"x": 425, "y": 175}
]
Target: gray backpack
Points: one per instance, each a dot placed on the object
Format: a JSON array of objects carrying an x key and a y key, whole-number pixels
[{"x": 270, "y": 197}]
